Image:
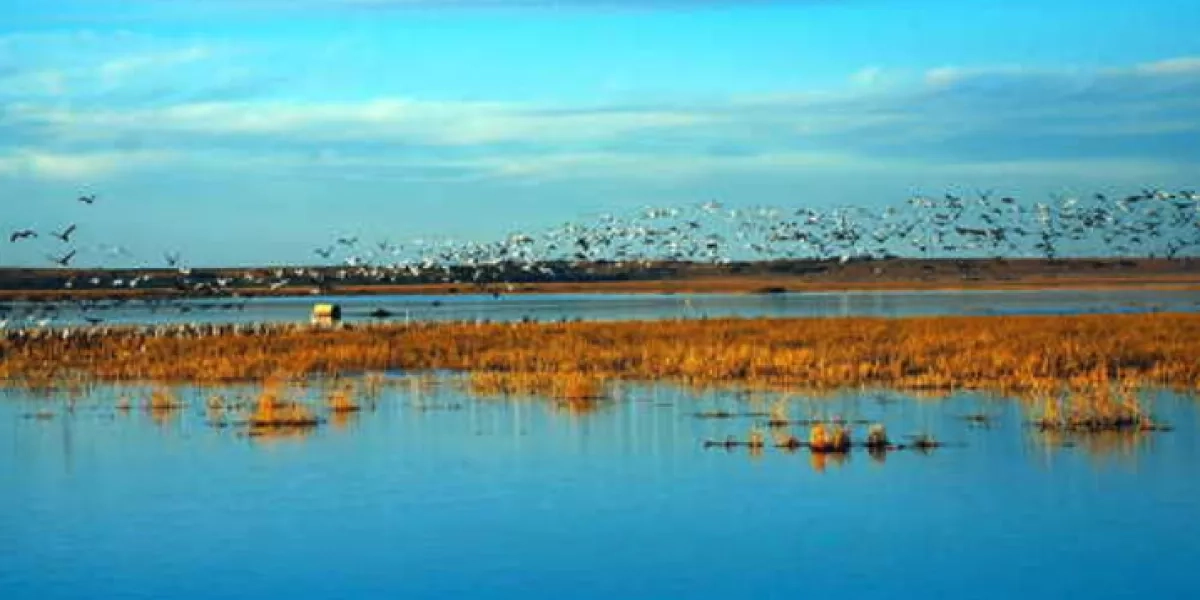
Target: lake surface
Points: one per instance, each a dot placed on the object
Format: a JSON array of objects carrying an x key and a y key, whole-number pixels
[
  {"x": 556, "y": 307},
  {"x": 432, "y": 491}
]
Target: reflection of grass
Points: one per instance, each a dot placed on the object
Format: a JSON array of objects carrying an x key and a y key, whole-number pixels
[
  {"x": 162, "y": 400},
  {"x": 572, "y": 387},
  {"x": 1017, "y": 355},
  {"x": 163, "y": 405},
  {"x": 340, "y": 401},
  {"x": 1100, "y": 446}
]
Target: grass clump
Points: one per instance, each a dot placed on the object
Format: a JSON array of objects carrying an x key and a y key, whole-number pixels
[{"x": 274, "y": 413}]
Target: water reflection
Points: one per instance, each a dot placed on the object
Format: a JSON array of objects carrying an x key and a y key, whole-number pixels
[
  {"x": 428, "y": 478},
  {"x": 820, "y": 461},
  {"x": 1102, "y": 449},
  {"x": 657, "y": 420},
  {"x": 342, "y": 420}
]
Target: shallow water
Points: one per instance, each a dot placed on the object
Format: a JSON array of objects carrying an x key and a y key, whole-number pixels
[
  {"x": 432, "y": 491},
  {"x": 555, "y": 307}
]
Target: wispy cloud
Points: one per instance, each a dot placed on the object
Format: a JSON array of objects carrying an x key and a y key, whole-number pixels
[
  {"x": 117, "y": 69},
  {"x": 1173, "y": 66},
  {"x": 74, "y": 166},
  {"x": 1016, "y": 119},
  {"x": 111, "y": 66}
]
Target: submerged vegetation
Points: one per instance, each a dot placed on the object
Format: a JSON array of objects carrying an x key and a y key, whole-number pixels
[
  {"x": 1104, "y": 407},
  {"x": 576, "y": 387}
]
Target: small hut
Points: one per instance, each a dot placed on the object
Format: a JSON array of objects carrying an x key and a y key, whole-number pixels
[{"x": 326, "y": 315}]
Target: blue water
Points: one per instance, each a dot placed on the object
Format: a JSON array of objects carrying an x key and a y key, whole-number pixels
[
  {"x": 433, "y": 492},
  {"x": 555, "y": 307}
]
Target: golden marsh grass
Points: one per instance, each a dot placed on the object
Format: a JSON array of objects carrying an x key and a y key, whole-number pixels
[
  {"x": 272, "y": 412},
  {"x": 1015, "y": 355}
]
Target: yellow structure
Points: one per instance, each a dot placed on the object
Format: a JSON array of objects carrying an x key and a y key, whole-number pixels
[{"x": 326, "y": 315}]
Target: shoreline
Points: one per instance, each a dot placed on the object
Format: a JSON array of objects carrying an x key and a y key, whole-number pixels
[
  {"x": 748, "y": 278},
  {"x": 616, "y": 288}
]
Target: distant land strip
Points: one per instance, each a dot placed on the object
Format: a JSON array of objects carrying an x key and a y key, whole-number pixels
[{"x": 655, "y": 278}]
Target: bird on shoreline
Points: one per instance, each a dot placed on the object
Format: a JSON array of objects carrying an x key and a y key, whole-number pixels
[{"x": 1153, "y": 222}]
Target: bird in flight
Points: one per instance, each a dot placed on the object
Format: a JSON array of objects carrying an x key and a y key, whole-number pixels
[
  {"x": 65, "y": 260},
  {"x": 22, "y": 234},
  {"x": 65, "y": 235},
  {"x": 172, "y": 258},
  {"x": 88, "y": 199},
  {"x": 324, "y": 252}
]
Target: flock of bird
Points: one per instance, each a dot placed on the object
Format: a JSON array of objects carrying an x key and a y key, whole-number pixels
[
  {"x": 64, "y": 236},
  {"x": 1153, "y": 223}
]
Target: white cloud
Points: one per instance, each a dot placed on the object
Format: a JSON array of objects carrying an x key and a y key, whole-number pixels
[
  {"x": 1076, "y": 169},
  {"x": 117, "y": 69},
  {"x": 1171, "y": 66},
  {"x": 84, "y": 65},
  {"x": 867, "y": 76},
  {"x": 951, "y": 75},
  {"x": 39, "y": 164},
  {"x": 45, "y": 82},
  {"x": 394, "y": 119},
  {"x": 1018, "y": 120},
  {"x": 651, "y": 166}
]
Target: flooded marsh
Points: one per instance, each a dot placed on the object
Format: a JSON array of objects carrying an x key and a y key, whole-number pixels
[
  {"x": 434, "y": 485},
  {"x": 737, "y": 456},
  {"x": 1037, "y": 355}
]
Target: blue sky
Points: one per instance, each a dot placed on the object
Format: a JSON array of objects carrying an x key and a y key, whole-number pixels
[{"x": 251, "y": 131}]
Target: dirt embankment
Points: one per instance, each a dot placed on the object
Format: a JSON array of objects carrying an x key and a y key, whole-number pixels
[{"x": 759, "y": 277}]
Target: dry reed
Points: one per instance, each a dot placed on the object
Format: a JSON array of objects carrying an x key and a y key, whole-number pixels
[
  {"x": 1017, "y": 355},
  {"x": 275, "y": 413}
]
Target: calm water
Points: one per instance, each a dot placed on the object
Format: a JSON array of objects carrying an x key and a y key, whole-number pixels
[
  {"x": 435, "y": 492},
  {"x": 554, "y": 307}
]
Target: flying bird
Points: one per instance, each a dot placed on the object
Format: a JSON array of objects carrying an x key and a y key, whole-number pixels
[
  {"x": 22, "y": 234},
  {"x": 65, "y": 260},
  {"x": 65, "y": 235},
  {"x": 88, "y": 199}
]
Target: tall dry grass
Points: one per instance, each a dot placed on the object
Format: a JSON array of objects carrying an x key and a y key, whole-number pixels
[{"x": 1018, "y": 355}]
